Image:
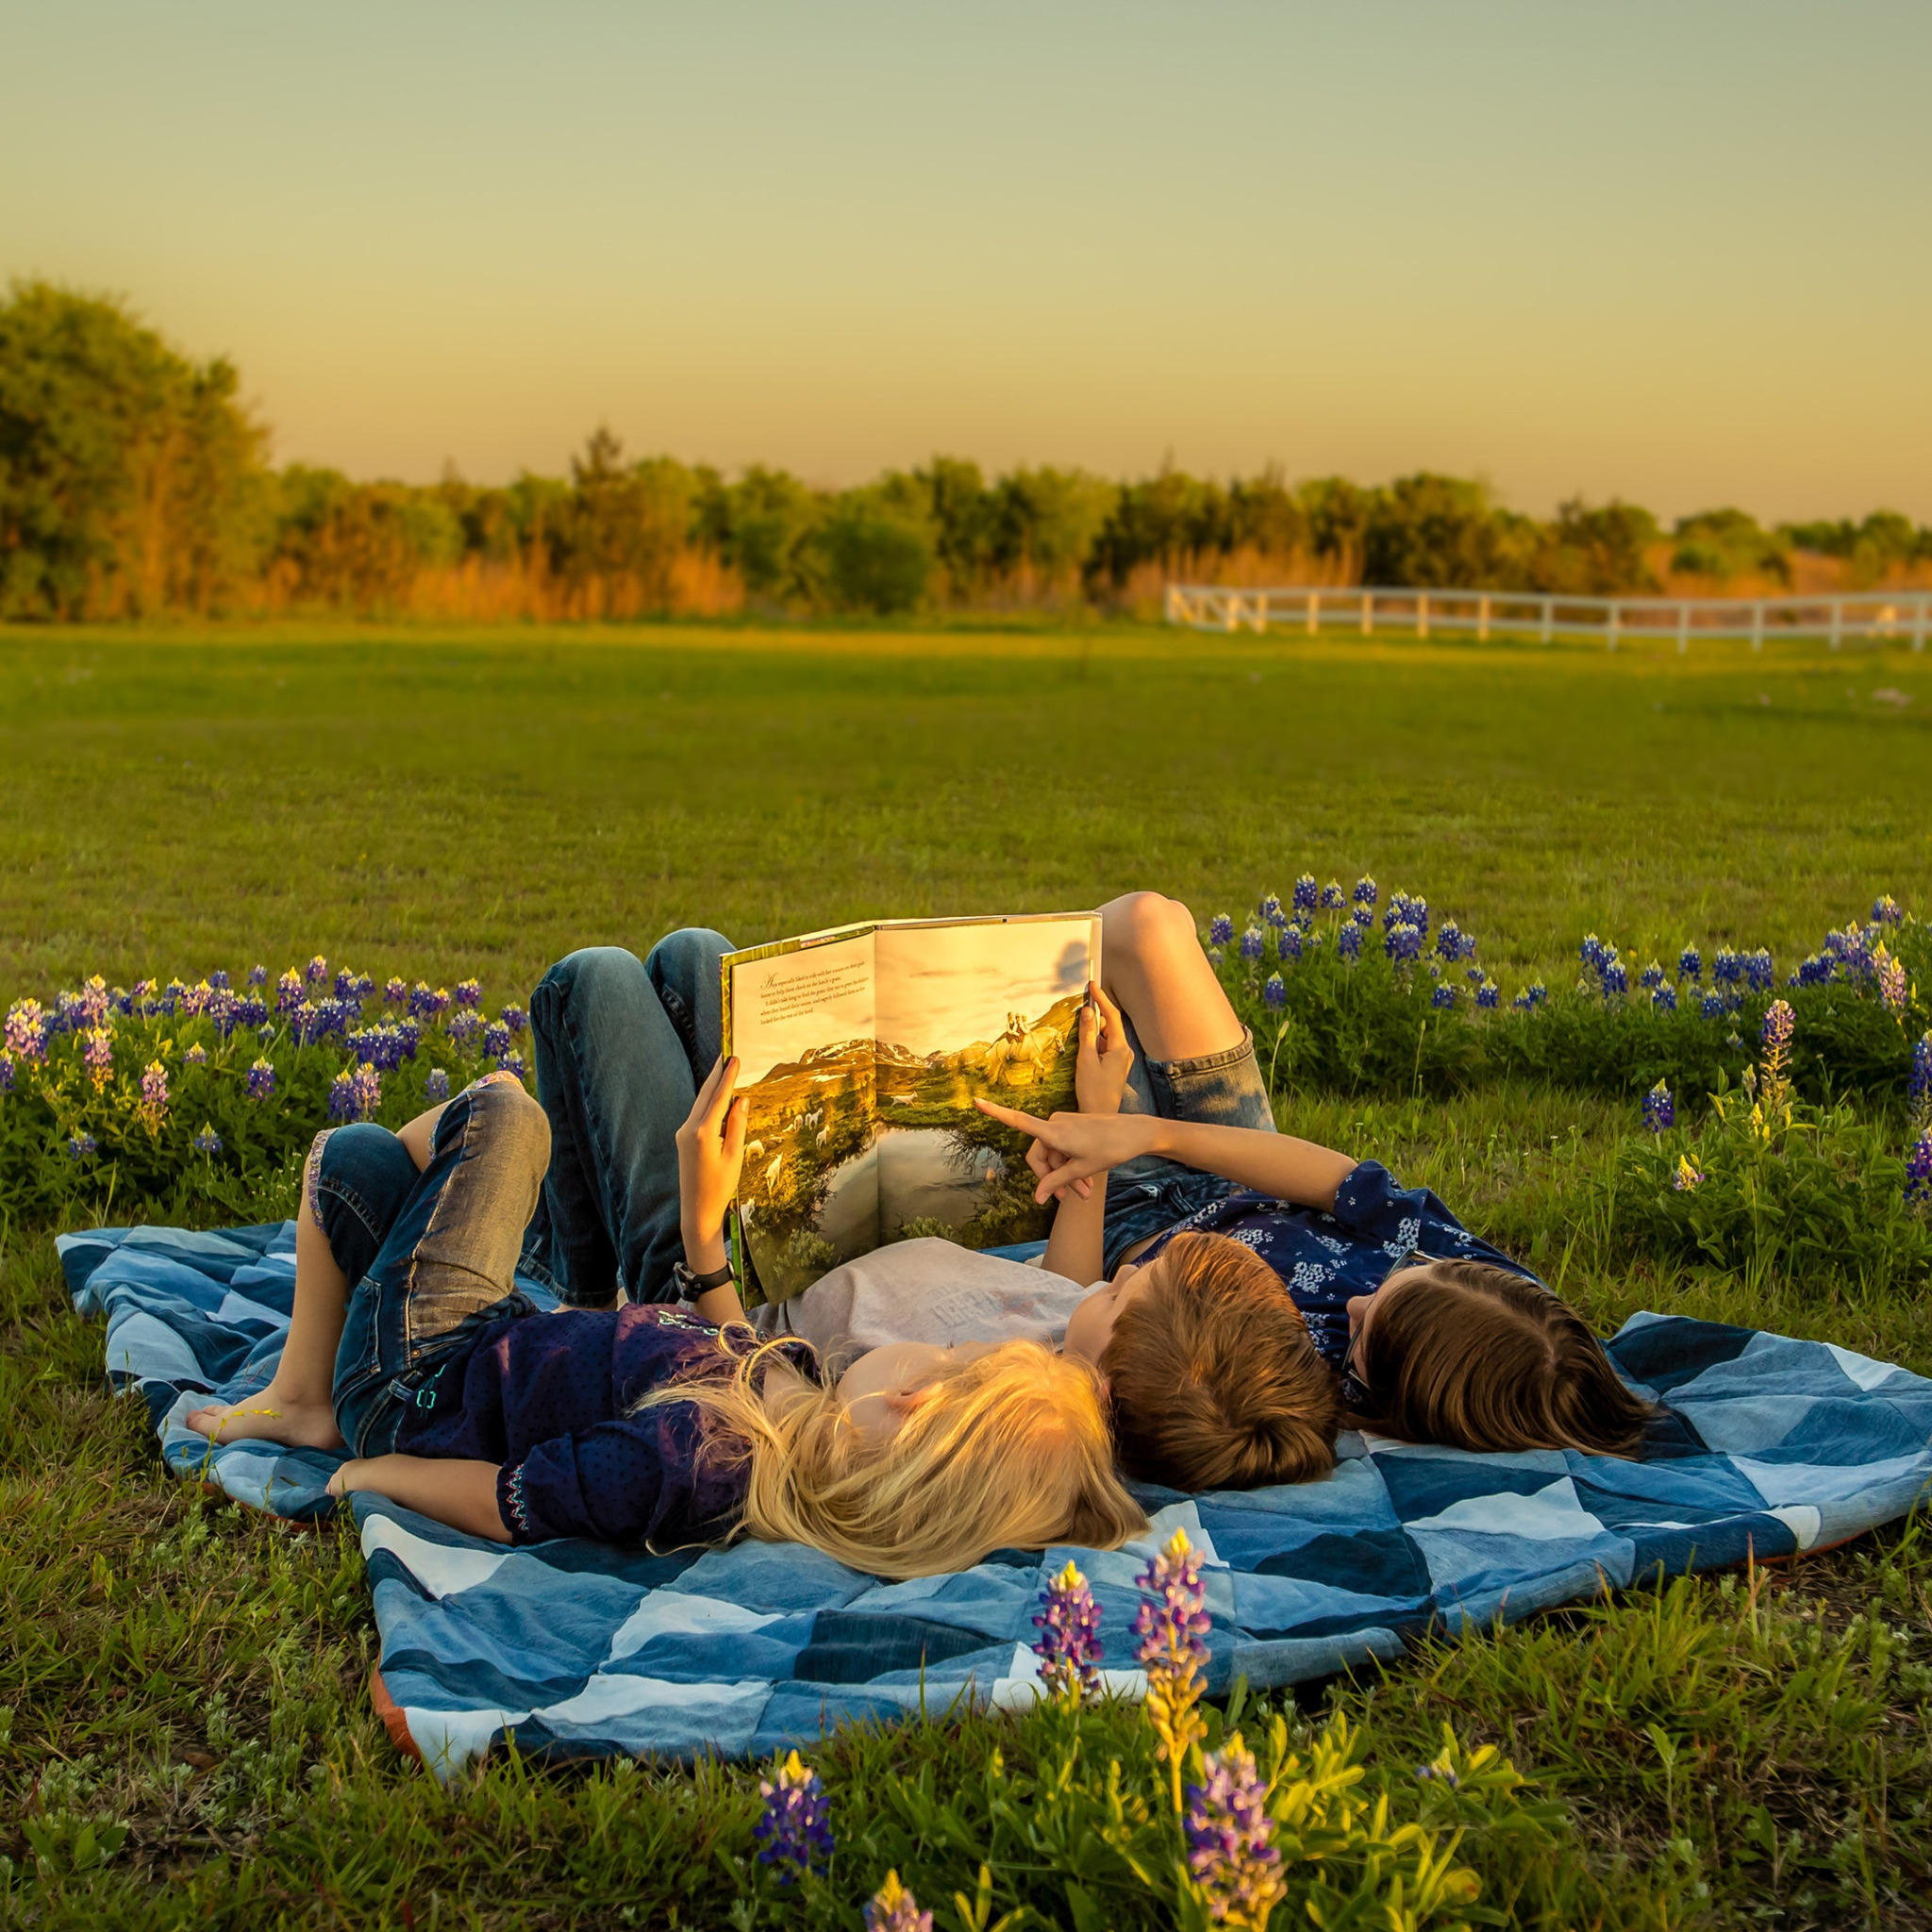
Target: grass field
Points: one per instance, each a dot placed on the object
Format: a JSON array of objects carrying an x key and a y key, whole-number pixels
[{"x": 1735, "y": 1751}]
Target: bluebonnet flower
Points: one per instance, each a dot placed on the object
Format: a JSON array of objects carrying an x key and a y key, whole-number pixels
[
  {"x": 289, "y": 992},
  {"x": 98, "y": 1056},
  {"x": 192, "y": 1002},
  {"x": 1348, "y": 942},
  {"x": 250, "y": 1011},
  {"x": 496, "y": 1037},
  {"x": 1532, "y": 996},
  {"x": 261, "y": 1080},
  {"x": 1221, "y": 930},
  {"x": 1443, "y": 996},
  {"x": 1308, "y": 895},
  {"x": 1758, "y": 970},
  {"x": 1250, "y": 944},
  {"x": 1712, "y": 1006},
  {"x": 345, "y": 984},
  {"x": 1364, "y": 893},
  {"x": 1886, "y": 911},
  {"x": 1069, "y": 1646},
  {"x": 1779, "y": 1024},
  {"x": 1687, "y": 1177},
  {"x": 1891, "y": 980},
  {"x": 463, "y": 1029},
  {"x": 1438, "y": 1774},
  {"x": 1404, "y": 944},
  {"x": 1229, "y": 1832},
  {"x": 515, "y": 1018},
  {"x": 172, "y": 996},
  {"x": 342, "y": 1098},
  {"x": 1274, "y": 995},
  {"x": 81, "y": 1146},
  {"x": 396, "y": 991},
  {"x": 207, "y": 1141},
  {"x": 363, "y": 987},
  {"x": 1690, "y": 963},
  {"x": 196, "y": 1056},
  {"x": 1660, "y": 1109},
  {"x": 1616, "y": 977},
  {"x": 1362, "y": 916},
  {"x": 94, "y": 1003},
  {"x": 1449, "y": 941},
  {"x": 1290, "y": 940},
  {"x": 1592, "y": 952},
  {"x": 304, "y": 1021},
  {"x": 1435, "y": 969},
  {"x": 223, "y": 1009},
  {"x": 258, "y": 976},
  {"x": 469, "y": 992},
  {"x": 1651, "y": 978},
  {"x": 436, "y": 1087},
  {"x": 796, "y": 1827},
  {"x": 425, "y": 1004},
  {"x": 1489, "y": 996},
  {"x": 892, "y": 1908},
  {"x": 154, "y": 1093},
  {"x": 1474, "y": 974},
  {"x": 1727, "y": 968},
  {"x": 1269, "y": 910},
  {"x": 141, "y": 991},
  {"x": 1919, "y": 1089},
  {"x": 219, "y": 979},
  {"x": 1813, "y": 969},
  {"x": 366, "y": 1087},
  {"x": 123, "y": 1000},
  {"x": 1919, "y": 1169},
  {"x": 1333, "y": 897},
  {"x": 1418, "y": 914},
  {"x": 6, "y": 1072},
  {"x": 317, "y": 970},
  {"x": 513, "y": 1063},
  {"x": 1174, "y": 1627},
  {"x": 1664, "y": 998},
  {"x": 26, "y": 1032}
]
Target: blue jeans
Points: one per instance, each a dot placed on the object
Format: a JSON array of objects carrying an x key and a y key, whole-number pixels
[
  {"x": 1150, "y": 1193},
  {"x": 623, "y": 1045},
  {"x": 429, "y": 1255}
]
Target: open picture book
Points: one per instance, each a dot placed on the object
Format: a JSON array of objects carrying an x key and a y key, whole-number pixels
[{"x": 862, "y": 1051}]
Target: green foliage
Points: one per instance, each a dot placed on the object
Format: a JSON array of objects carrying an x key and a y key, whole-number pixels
[
  {"x": 1727, "y": 543},
  {"x": 877, "y": 555}
]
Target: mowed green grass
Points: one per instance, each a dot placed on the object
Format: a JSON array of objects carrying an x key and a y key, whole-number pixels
[{"x": 1741, "y": 1751}]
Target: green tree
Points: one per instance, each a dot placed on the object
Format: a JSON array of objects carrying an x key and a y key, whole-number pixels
[
  {"x": 130, "y": 477},
  {"x": 1047, "y": 521},
  {"x": 1729, "y": 544},
  {"x": 876, "y": 556},
  {"x": 1433, "y": 531},
  {"x": 1593, "y": 553}
]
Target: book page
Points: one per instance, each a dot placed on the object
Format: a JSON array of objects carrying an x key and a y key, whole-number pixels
[
  {"x": 968, "y": 1007},
  {"x": 802, "y": 1020}
]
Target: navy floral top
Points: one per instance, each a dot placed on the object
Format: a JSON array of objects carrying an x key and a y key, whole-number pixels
[
  {"x": 1326, "y": 1259},
  {"x": 545, "y": 1396}
]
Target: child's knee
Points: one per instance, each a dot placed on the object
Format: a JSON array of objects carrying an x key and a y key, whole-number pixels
[
  {"x": 1147, "y": 922},
  {"x": 516, "y": 1127}
]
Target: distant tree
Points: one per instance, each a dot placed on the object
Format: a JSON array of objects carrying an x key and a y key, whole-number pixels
[
  {"x": 1166, "y": 519},
  {"x": 1047, "y": 519},
  {"x": 1729, "y": 543},
  {"x": 874, "y": 555},
  {"x": 961, "y": 511},
  {"x": 1337, "y": 513},
  {"x": 761, "y": 526},
  {"x": 130, "y": 477},
  {"x": 1265, "y": 514},
  {"x": 1431, "y": 530},
  {"x": 1592, "y": 553}
]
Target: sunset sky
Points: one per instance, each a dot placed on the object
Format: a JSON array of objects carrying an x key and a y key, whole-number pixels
[{"x": 1677, "y": 251}]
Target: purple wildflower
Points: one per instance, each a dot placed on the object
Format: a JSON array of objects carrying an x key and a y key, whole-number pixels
[
  {"x": 1690, "y": 964},
  {"x": 1333, "y": 897},
  {"x": 1173, "y": 1627},
  {"x": 436, "y": 1087},
  {"x": 192, "y": 1000},
  {"x": 1489, "y": 996},
  {"x": 141, "y": 992},
  {"x": 1664, "y": 998},
  {"x": 1290, "y": 942},
  {"x": 345, "y": 985},
  {"x": 515, "y": 1018},
  {"x": 1712, "y": 1006},
  {"x": 342, "y": 1098},
  {"x": 1229, "y": 1832},
  {"x": 1308, "y": 895},
  {"x": 396, "y": 991},
  {"x": 1919, "y": 1169},
  {"x": 1651, "y": 978},
  {"x": 1348, "y": 942},
  {"x": 26, "y": 1030},
  {"x": 1474, "y": 974},
  {"x": 1779, "y": 1023},
  {"x": 1250, "y": 944},
  {"x": 1362, "y": 916},
  {"x": 317, "y": 970},
  {"x": 250, "y": 1011},
  {"x": 1221, "y": 930},
  {"x": 1660, "y": 1109},
  {"x": 1534, "y": 995},
  {"x": 1269, "y": 910},
  {"x": 797, "y": 1826},
  {"x": 219, "y": 979},
  {"x": 1616, "y": 978},
  {"x": 289, "y": 993},
  {"x": 207, "y": 1141},
  {"x": 1404, "y": 944},
  {"x": 94, "y": 1003},
  {"x": 1449, "y": 941},
  {"x": 469, "y": 992},
  {"x": 495, "y": 1038},
  {"x": 1919, "y": 1089},
  {"x": 1364, "y": 893},
  {"x": 1442, "y": 998},
  {"x": 154, "y": 1093},
  {"x": 513, "y": 1063},
  {"x": 1886, "y": 911},
  {"x": 1759, "y": 971},
  {"x": 1069, "y": 1645},
  {"x": 1274, "y": 995},
  {"x": 1813, "y": 969},
  {"x": 465, "y": 1026},
  {"x": 892, "y": 1908},
  {"x": 1686, "y": 1178},
  {"x": 365, "y": 1085},
  {"x": 98, "y": 1056},
  {"x": 1891, "y": 980},
  {"x": 196, "y": 1056},
  {"x": 261, "y": 1080},
  {"x": 258, "y": 976},
  {"x": 81, "y": 1146},
  {"x": 6, "y": 1072}
]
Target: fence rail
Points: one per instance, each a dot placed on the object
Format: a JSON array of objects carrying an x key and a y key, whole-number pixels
[{"x": 1876, "y": 617}]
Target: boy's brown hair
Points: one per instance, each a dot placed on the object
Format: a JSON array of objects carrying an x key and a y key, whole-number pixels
[
  {"x": 1213, "y": 1379},
  {"x": 1470, "y": 1356}
]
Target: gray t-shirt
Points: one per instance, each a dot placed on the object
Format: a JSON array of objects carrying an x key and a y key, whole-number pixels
[{"x": 925, "y": 1291}]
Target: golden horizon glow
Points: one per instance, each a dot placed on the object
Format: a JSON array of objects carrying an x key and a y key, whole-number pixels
[{"x": 1645, "y": 251}]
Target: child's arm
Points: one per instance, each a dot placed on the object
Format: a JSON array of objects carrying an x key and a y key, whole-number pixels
[
  {"x": 453, "y": 1490},
  {"x": 418, "y": 1134},
  {"x": 710, "y": 1151},
  {"x": 1076, "y": 1246}
]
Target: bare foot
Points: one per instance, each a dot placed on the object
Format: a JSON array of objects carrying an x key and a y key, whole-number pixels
[{"x": 269, "y": 1417}]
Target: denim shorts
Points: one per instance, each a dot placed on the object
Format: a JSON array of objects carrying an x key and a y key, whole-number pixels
[
  {"x": 1150, "y": 1193},
  {"x": 429, "y": 1256}
]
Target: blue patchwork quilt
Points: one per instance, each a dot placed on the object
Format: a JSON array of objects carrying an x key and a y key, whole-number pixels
[{"x": 1771, "y": 1446}]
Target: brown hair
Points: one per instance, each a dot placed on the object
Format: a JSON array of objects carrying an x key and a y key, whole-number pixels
[
  {"x": 1471, "y": 1356},
  {"x": 1214, "y": 1380}
]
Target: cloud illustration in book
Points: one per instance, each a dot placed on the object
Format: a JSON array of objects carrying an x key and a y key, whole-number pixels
[{"x": 935, "y": 1000}]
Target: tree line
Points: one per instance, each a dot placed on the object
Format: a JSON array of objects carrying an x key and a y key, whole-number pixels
[{"x": 134, "y": 481}]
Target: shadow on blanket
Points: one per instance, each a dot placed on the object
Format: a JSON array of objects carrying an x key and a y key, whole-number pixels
[{"x": 1773, "y": 1446}]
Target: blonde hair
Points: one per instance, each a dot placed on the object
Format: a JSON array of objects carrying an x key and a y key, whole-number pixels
[
  {"x": 1215, "y": 1381},
  {"x": 1008, "y": 1449}
]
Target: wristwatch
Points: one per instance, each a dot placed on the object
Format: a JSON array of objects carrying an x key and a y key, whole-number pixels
[{"x": 690, "y": 1286}]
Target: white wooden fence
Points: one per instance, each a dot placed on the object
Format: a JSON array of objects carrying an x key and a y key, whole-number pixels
[{"x": 1875, "y": 617}]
